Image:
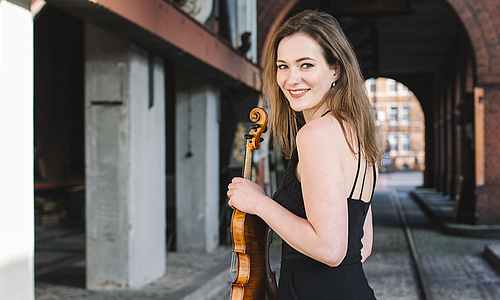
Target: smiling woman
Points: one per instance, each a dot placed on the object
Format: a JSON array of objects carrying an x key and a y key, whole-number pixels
[
  {"x": 302, "y": 74},
  {"x": 322, "y": 121}
]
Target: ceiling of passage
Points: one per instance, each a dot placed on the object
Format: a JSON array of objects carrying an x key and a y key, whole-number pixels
[{"x": 394, "y": 37}]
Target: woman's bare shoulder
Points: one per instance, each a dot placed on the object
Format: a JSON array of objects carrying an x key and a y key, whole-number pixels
[{"x": 323, "y": 131}]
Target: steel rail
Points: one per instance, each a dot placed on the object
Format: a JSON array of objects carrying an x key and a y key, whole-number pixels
[{"x": 422, "y": 288}]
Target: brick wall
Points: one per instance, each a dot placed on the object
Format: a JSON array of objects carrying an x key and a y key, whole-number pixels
[
  {"x": 488, "y": 200},
  {"x": 480, "y": 19}
]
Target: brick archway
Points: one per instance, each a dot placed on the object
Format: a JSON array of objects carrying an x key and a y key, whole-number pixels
[{"x": 480, "y": 20}]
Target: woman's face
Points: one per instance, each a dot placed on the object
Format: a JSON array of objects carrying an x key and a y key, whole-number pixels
[{"x": 303, "y": 74}]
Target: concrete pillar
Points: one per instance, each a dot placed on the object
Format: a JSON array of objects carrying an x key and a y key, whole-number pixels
[
  {"x": 125, "y": 163},
  {"x": 16, "y": 152},
  {"x": 197, "y": 163}
]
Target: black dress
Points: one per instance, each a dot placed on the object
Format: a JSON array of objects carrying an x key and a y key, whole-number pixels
[{"x": 305, "y": 278}]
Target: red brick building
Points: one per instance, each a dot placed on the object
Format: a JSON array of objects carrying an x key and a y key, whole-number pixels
[{"x": 400, "y": 123}]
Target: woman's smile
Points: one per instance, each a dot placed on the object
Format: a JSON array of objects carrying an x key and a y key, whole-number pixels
[
  {"x": 303, "y": 74},
  {"x": 298, "y": 93}
]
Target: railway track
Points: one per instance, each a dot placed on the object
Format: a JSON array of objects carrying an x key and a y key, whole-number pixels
[{"x": 423, "y": 292}]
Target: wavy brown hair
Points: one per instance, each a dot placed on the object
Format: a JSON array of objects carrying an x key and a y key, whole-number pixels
[{"x": 348, "y": 100}]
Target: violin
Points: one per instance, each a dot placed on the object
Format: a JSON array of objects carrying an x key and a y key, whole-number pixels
[{"x": 253, "y": 278}]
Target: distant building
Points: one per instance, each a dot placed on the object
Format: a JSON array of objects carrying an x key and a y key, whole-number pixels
[{"x": 400, "y": 123}]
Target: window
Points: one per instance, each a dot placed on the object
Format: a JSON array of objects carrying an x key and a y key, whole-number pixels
[
  {"x": 373, "y": 85},
  {"x": 393, "y": 114},
  {"x": 405, "y": 113},
  {"x": 403, "y": 89},
  {"x": 381, "y": 116},
  {"x": 391, "y": 86},
  {"x": 405, "y": 142},
  {"x": 392, "y": 140}
]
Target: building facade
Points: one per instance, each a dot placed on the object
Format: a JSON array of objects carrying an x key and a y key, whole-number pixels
[{"x": 400, "y": 124}]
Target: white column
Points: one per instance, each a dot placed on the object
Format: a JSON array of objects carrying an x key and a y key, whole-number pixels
[
  {"x": 125, "y": 163},
  {"x": 197, "y": 163},
  {"x": 16, "y": 152}
]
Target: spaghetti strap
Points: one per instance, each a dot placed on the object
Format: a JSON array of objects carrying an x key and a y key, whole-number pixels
[
  {"x": 324, "y": 114},
  {"x": 357, "y": 172},
  {"x": 363, "y": 184},
  {"x": 374, "y": 181}
]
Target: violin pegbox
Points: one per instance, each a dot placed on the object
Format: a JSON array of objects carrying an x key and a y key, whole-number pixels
[{"x": 259, "y": 117}]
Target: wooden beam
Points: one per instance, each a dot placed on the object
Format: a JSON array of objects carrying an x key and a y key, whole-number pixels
[{"x": 479, "y": 134}]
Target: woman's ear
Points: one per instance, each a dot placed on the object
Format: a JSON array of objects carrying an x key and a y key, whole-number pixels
[{"x": 336, "y": 72}]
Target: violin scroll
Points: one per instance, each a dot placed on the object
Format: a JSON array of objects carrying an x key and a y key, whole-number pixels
[{"x": 259, "y": 117}]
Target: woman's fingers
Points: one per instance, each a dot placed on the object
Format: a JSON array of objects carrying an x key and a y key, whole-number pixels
[{"x": 237, "y": 179}]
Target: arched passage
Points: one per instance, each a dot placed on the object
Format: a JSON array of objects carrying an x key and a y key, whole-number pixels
[
  {"x": 443, "y": 51},
  {"x": 400, "y": 125}
]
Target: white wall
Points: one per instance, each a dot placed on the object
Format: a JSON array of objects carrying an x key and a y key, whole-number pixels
[
  {"x": 197, "y": 176},
  {"x": 147, "y": 173},
  {"x": 16, "y": 152},
  {"x": 125, "y": 164}
]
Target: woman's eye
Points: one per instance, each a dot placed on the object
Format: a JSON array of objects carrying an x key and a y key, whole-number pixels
[
  {"x": 307, "y": 66},
  {"x": 282, "y": 67}
]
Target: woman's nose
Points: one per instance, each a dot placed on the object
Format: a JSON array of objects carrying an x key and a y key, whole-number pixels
[{"x": 293, "y": 77}]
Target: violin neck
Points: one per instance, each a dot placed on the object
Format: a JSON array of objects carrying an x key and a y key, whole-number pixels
[{"x": 247, "y": 168}]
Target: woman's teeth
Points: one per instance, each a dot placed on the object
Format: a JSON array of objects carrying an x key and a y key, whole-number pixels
[{"x": 297, "y": 92}]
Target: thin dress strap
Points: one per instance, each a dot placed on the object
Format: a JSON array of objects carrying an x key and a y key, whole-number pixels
[
  {"x": 363, "y": 184},
  {"x": 357, "y": 172},
  {"x": 374, "y": 181}
]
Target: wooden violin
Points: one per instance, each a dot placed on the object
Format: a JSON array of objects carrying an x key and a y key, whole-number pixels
[{"x": 253, "y": 278}]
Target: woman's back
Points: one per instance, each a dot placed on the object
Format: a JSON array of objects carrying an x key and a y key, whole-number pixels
[
  {"x": 305, "y": 278},
  {"x": 349, "y": 160}
]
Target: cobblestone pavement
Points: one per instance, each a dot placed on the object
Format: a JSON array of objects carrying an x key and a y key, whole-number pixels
[
  {"x": 388, "y": 269},
  {"x": 186, "y": 272},
  {"x": 453, "y": 267}
]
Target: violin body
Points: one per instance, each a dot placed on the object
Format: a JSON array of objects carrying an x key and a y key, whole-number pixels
[
  {"x": 251, "y": 237},
  {"x": 255, "y": 280}
]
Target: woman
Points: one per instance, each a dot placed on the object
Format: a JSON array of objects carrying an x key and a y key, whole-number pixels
[{"x": 322, "y": 121}]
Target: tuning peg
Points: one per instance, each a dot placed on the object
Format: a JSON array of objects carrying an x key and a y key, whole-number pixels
[
  {"x": 255, "y": 126},
  {"x": 248, "y": 136},
  {"x": 265, "y": 130},
  {"x": 261, "y": 139}
]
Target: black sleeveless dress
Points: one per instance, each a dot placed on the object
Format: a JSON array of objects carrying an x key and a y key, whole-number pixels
[{"x": 305, "y": 278}]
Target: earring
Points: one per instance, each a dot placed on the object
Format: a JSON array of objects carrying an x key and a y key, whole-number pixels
[{"x": 333, "y": 84}]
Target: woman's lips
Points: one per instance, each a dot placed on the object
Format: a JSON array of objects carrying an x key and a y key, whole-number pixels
[{"x": 298, "y": 92}]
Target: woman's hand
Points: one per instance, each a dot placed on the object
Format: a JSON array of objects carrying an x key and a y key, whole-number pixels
[{"x": 245, "y": 195}]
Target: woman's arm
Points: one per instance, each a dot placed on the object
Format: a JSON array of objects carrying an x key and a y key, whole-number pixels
[
  {"x": 323, "y": 235},
  {"x": 367, "y": 239}
]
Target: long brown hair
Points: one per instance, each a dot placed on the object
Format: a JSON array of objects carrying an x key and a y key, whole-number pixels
[{"x": 348, "y": 100}]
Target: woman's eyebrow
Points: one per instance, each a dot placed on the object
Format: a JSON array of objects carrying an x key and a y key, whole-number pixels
[
  {"x": 298, "y": 60},
  {"x": 304, "y": 58}
]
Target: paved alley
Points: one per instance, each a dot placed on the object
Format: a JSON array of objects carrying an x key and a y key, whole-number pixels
[{"x": 452, "y": 266}]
